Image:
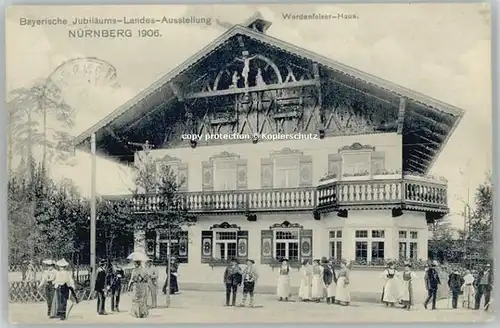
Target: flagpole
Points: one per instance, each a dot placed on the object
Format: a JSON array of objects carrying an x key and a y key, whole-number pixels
[{"x": 92, "y": 210}]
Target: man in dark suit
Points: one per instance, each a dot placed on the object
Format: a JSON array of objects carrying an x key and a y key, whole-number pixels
[
  {"x": 455, "y": 282},
  {"x": 232, "y": 278},
  {"x": 101, "y": 287},
  {"x": 432, "y": 283},
  {"x": 116, "y": 287},
  {"x": 484, "y": 286}
]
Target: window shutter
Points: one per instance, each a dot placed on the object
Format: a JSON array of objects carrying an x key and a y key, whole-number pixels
[
  {"x": 183, "y": 253},
  {"x": 335, "y": 164},
  {"x": 206, "y": 246},
  {"x": 182, "y": 174},
  {"x": 266, "y": 246},
  {"x": 266, "y": 173},
  {"x": 378, "y": 162},
  {"x": 207, "y": 176},
  {"x": 242, "y": 246},
  {"x": 241, "y": 174},
  {"x": 305, "y": 171},
  {"x": 306, "y": 240},
  {"x": 151, "y": 243}
]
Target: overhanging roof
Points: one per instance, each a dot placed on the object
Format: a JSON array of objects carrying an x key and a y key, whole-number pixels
[{"x": 438, "y": 119}]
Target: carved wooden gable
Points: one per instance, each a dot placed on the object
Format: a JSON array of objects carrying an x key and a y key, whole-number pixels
[
  {"x": 268, "y": 166},
  {"x": 230, "y": 161},
  {"x": 178, "y": 168}
]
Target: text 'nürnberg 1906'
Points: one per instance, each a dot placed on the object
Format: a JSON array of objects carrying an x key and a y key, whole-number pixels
[{"x": 258, "y": 136}]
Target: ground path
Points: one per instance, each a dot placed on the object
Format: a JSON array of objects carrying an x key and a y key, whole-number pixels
[{"x": 207, "y": 307}]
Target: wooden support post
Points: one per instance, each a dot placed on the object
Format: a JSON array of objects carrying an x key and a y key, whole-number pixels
[
  {"x": 93, "y": 214},
  {"x": 401, "y": 115}
]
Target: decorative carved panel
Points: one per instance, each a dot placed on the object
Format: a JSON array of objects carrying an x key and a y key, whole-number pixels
[
  {"x": 207, "y": 176},
  {"x": 241, "y": 174},
  {"x": 286, "y": 224},
  {"x": 225, "y": 225},
  {"x": 356, "y": 147},
  {"x": 266, "y": 173},
  {"x": 305, "y": 171}
]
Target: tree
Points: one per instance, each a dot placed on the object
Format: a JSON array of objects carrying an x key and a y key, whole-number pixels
[
  {"x": 442, "y": 245},
  {"x": 171, "y": 215},
  {"x": 480, "y": 239}
]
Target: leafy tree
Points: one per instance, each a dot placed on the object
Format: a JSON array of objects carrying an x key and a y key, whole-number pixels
[
  {"x": 170, "y": 215},
  {"x": 442, "y": 246},
  {"x": 480, "y": 239}
]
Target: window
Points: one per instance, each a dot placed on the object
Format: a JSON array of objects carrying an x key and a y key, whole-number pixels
[
  {"x": 286, "y": 244},
  {"x": 408, "y": 247},
  {"x": 336, "y": 244},
  {"x": 225, "y": 175},
  {"x": 356, "y": 163},
  {"x": 225, "y": 245},
  {"x": 178, "y": 246},
  {"x": 362, "y": 252},
  {"x": 370, "y": 246},
  {"x": 286, "y": 172}
]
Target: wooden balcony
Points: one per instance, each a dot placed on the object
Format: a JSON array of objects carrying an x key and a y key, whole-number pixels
[{"x": 410, "y": 193}]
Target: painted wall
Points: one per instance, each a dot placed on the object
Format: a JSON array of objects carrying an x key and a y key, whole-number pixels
[{"x": 389, "y": 143}]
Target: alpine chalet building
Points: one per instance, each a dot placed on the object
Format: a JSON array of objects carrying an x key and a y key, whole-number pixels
[{"x": 347, "y": 179}]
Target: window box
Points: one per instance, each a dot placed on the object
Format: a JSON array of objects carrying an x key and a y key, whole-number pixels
[
  {"x": 356, "y": 177},
  {"x": 393, "y": 176},
  {"x": 328, "y": 178}
]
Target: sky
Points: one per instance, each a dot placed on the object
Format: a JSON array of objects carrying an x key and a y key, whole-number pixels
[{"x": 441, "y": 50}]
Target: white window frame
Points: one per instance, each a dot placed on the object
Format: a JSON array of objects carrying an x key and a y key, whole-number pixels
[
  {"x": 286, "y": 241},
  {"x": 233, "y": 171},
  {"x": 369, "y": 239},
  {"x": 335, "y": 240},
  {"x": 224, "y": 241},
  {"x": 408, "y": 240},
  {"x": 276, "y": 169},
  {"x": 368, "y": 154}
]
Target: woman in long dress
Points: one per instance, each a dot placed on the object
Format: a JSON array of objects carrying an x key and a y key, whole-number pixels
[
  {"x": 139, "y": 282},
  {"x": 318, "y": 285},
  {"x": 343, "y": 293},
  {"x": 468, "y": 289},
  {"x": 152, "y": 285},
  {"x": 408, "y": 277},
  {"x": 331, "y": 287},
  {"x": 284, "y": 276},
  {"x": 305, "y": 282},
  {"x": 63, "y": 283},
  {"x": 390, "y": 289}
]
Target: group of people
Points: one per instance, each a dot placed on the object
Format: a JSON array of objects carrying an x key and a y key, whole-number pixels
[
  {"x": 398, "y": 287},
  {"x": 58, "y": 286}
]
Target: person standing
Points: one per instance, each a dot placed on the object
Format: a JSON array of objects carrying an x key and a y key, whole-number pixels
[
  {"x": 305, "y": 281},
  {"x": 329, "y": 279},
  {"x": 284, "y": 274},
  {"x": 232, "y": 279},
  {"x": 101, "y": 287},
  {"x": 116, "y": 287},
  {"x": 343, "y": 293},
  {"x": 174, "y": 274},
  {"x": 432, "y": 283},
  {"x": 152, "y": 284},
  {"x": 390, "y": 289},
  {"x": 455, "y": 282},
  {"x": 407, "y": 277},
  {"x": 139, "y": 283},
  {"x": 484, "y": 286},
  {"x": 48, "y": 277},
  {"x": 468, "y": 289},
  {"x": 317, "y": 283},
  {"x": 249, "y": 277},
  {"x": 63, "y": 282},
  {"x": 30, "y": 271}
]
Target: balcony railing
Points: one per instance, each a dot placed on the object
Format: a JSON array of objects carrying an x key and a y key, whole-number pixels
[
  {"x": 414, "y": 193},
  {"x": 410, "y": 192}
]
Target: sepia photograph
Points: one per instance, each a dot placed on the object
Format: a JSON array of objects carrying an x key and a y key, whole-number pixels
[{"x": 299, "y": 163}]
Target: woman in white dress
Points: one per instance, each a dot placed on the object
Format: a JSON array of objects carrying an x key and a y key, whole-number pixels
[
  {"x": 305, "y": 282},
  {"x": 390, "y": 289},
  {"x": 468, "y": 289},
  {"x": 343, "y": 292},
  {"x": 284, "y": 276},
  {"x": 407, "y": 277},
  {"x": 331, "y": 284},
  {"x": 318, "y": 285}
]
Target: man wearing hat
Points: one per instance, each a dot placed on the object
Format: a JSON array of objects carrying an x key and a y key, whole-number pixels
[
  {"x": 48, "y": 277},
  {"x": 455, "y": 282},
  {"x": 232, "y": 279},
  {"x": 101, "y": 287},
  {"x": 432, "y": 283},
  {"x": 249, "y": 278},
  {"x": 116, "y": 287},
  {"x": 484, "y": 285}
]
